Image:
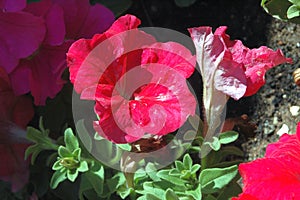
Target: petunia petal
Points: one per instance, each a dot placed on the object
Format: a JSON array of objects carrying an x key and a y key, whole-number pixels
[
  {"x": 42, "y": 73},
  {"x": 86, "y": 66},
  {"x": 172, "y": 55},
  {"x": 98, "y": 19},
  {"x": 83, "y": 20},
  {"x": 12, "y": 5},
  {"x": 257, "y": 62},
  {"x": 54, "y": 19},
  {"x": 13, "y": 168},
  {"x": 272, "y": 178},
  {"x": 13, "y": 46}
]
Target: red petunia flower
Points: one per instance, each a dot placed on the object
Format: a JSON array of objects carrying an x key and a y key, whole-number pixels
[
  {"x": 139, "y": 84},
  {"x": 276, "y": 176}
]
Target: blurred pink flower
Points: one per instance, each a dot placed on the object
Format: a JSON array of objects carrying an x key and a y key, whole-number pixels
[
  {"x": 12, "y": 5},
  {"x": 276, "y": 176},
  {"x": 65, "y": 21},
  {"x": 21, "y": 34},
  {"x": 15, "y": 113},
  {"x": 83, "y": 20},
  {"x": 139, "y": 84}
]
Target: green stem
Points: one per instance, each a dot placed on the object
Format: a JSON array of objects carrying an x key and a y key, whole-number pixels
[
  {"x": 129, "y": 179},
  {"x": 204, "y": 162}
]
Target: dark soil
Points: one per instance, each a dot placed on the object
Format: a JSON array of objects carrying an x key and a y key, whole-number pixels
[{"x": 246, "y": 21}]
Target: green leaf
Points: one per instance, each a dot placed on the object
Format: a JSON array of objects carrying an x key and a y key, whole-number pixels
[
  {"x": 295, "y": 2},
  {"x": 278, "y": 9},
  {"x": 195, "y": 168},
  {"x": 228, "y": 137},
  {"x": 164, "y": 174},
  {"x": 34, "y": 150},
  {"x": 187, "y": 161},
  {"x": 57, "y": 165},
  {"x": 227, "y": 163},
  {"x": 58, "y": 177},
  {"x": 211, "y": 197},
  {"x": 189, "y": 135},
  {"x": 215, "y": 144},
  {"x": 170, "y": 195},
  {"x": 41, "y": 140},
  {"x": 175, "y": 172},
  {"x": 70, "y": 140},
  {"x": 231, "y": 150},
  {"x": 231, "y": 190},
  {"x": 184, "y": 3},
  {"x": 196, "y": 194},
  {"x": 124, "y": 191},
  {"x": 150, "y": 188},
  {"x": 151, "y": 197},
  {"x": 126, "y": 147},
  {"x": 63, "y": 152},
  {"x": 85, "y": 186},
  {"x": 293, "y": 11},
  {"x": 179, "y": 165},
  {"x": 96, "y": 179},
  {"x": 152, "y": 172},
  {"x": 116, "y": 181},
  {"x": 72, "y": 174},
  {"x": 83, "y": 167},
  {"x": 77, "y": 154},
  {"x": 214, "y": 179}
]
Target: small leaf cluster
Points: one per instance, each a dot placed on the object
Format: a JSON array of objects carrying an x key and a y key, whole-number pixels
[
  {"x": 69, "y": 162},
  {"x": 178, "y": 182},
  {"x": 288, "y": 10}
]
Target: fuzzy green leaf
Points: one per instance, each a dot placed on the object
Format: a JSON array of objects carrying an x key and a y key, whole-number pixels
[
  {"x": 195, "y": 168},
  {"x": 215, "y": 144},
  {"x": 63, "y": 152},
  {"x": 214, "y": 179},
  {"x": 164, "y": 174},
  {"x": 179, "y": 165},
  {"x": 152, "y": 171},
  {"x": 83, "y": 167},
  {"x": 57, "y": 165},
  {"x": 96, "y": 178},
  {"x": 187, "y": 161},
  {"x": 293, "y": 11},
  {"x": 170, "y": 195},
  {"x": 228, "y": 137},
  {"x": 72, "y": 175},
  {"x": 58, "y": 177},
  {"x": 70, "y": 140},
  {"x": 196, "y": 194}
]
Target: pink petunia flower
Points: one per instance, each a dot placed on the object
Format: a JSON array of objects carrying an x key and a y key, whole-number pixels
[
  {"x": 65, "y": 21},
  {"x": 233, "y": 68},
  {"x": 12, "y": 5},
  {"x": 28, "y": 33},
  {"x": 15, "y": 113},
  {"x": 139, "y": 85},
  {"x": 276, "y": 176}
]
